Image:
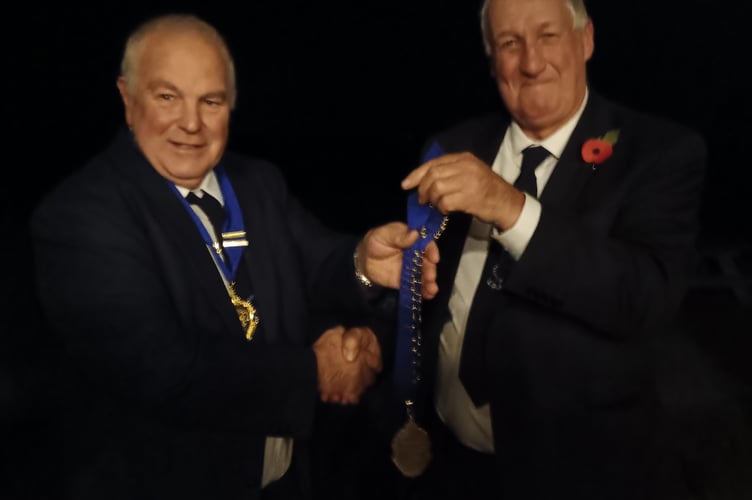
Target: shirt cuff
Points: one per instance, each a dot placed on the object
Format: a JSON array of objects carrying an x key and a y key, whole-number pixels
[{"x": 515, "y": 239}]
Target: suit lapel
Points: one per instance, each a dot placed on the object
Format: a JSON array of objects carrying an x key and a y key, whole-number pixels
[
  {"x": 174, "y": 233},
  {"x": 572, "y": 173},
  {"x": 179, "y": 226}
]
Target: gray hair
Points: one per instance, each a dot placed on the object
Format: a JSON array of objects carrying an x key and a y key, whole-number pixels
[
  {"x": 576, "y": 7},
  {"x": 175, "y": 22}
]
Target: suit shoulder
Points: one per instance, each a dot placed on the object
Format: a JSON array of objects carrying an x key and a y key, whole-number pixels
[
  {"x": 650, "y": 138},
  {"x": 250, "y": 164},
  {"x": 666, "y": 134},
  {"x": 88, "y": 180},
  {"x": 470, "y": 127},
  {"x": 254, "y": 170},
  {"x": 659, "y": 128}
]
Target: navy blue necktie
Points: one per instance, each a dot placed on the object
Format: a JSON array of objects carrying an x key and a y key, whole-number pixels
[
  {"x": 212, "y": 208},
  {"x": 532, "y": 156},
  {"x": 497, "y": 265}
]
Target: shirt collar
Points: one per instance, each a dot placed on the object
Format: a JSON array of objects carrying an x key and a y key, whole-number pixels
[{"x": 210, "y": 184}]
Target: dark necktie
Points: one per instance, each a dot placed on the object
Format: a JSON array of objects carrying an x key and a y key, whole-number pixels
[
  {"x": 497, "y": 265},
  {"x": 532, "y": 156},
  {"x": 213, "y": 209}
]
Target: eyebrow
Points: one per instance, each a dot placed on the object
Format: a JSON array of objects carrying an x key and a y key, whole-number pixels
[
  {"x": 542, "y": 26},
  {"x": 216, "y": 94}
]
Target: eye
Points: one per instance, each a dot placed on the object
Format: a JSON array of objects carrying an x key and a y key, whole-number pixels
[
  {"x": 165, "y": 97},
  {"x": 214, "y": 101},
  {"x": 550, "y": 37},
  {"x": 506, "y": 43}
]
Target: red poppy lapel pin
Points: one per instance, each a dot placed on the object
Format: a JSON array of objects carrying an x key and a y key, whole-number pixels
[{"x": 598, "y": 149}]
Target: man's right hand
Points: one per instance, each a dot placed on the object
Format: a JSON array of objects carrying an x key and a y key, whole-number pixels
[
  {"x": 348, "y": 361},
  {"x": 380, "y": 252}
]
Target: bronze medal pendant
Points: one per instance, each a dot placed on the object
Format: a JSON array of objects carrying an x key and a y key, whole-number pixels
[
  {"x": 411, "y": 449},
  {"x": 246, "y": 312}
]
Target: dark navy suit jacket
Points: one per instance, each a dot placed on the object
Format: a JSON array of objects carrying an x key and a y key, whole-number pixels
[
  {"x": 160, "y": 394},
  {"x": 567, "y": 351}
]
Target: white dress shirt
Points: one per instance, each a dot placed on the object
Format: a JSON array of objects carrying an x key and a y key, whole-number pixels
[{"x": 471, "y": 424}]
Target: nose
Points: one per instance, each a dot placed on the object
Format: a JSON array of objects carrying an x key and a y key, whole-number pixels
[
  {"x": 532, "y": 61},
  {"x": 190, "y": 117}
]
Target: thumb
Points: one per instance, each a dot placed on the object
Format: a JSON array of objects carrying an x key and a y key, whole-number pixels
[
  {"x": 409, "y": 237},
  {"x": 350, "y": 345}
]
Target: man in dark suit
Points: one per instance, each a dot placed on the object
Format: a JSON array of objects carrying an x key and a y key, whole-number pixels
[
  {"x": 553, "y": 282},
  {"x": 188, "y": 290}
]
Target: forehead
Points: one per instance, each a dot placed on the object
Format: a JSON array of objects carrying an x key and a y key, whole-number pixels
[
  {"x": 514, "y": 14},
  {"x": 184, "y": 55}
]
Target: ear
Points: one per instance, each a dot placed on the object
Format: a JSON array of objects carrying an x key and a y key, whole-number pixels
[
  {"x": 126, "y": 97},
  {"x": 588, "y": 40}
]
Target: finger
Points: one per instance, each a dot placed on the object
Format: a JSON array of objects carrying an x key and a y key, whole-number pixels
[
  {"x": 429, "y": 286},
  {"x": 369, "y": 340},
  {"x": 329, "y": 397},
  {"x": 373, "y": 361},
  {"x": 350, "y": 399},
  {"x": 430, "y": 290},
  {"x": 372, "y": 357},
  {"x": 369, "y": 377},
  {"x": 330, "y": 338},
  {"x": 414, "y": 177},
  {"x": 431, "y": 253},
  {"x": 351, "y": 393}
]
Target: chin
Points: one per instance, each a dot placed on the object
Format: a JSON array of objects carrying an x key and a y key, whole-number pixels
[{"x": 187, "y": 171}]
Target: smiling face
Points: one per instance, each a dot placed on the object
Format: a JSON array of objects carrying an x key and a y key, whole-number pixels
[
  {"x": 539, "y": 61},
  {"x": 177, "y": 105}
]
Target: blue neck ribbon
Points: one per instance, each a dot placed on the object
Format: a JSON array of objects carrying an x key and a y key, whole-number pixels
[
  {"x": 233, "y": 224},
  {"x": 429, "y": 222}
]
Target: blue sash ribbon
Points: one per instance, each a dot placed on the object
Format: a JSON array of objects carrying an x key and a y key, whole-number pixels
[{"x": 430, "y": 223}]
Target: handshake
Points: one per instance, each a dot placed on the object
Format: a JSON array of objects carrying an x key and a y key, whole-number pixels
[{"x": 348, "y": 361}]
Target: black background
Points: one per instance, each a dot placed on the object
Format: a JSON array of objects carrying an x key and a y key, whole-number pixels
[{"x": 341, "y": 95}]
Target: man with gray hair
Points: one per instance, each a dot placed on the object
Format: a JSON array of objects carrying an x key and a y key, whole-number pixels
[
  {"x": 202, "y": 312},
  {"x": 571, "y": 229}
]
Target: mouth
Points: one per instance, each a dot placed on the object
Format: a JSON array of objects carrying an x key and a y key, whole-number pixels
[
  {"x": 186, "y": 146},
  {"x": 535, "y": 82}
]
